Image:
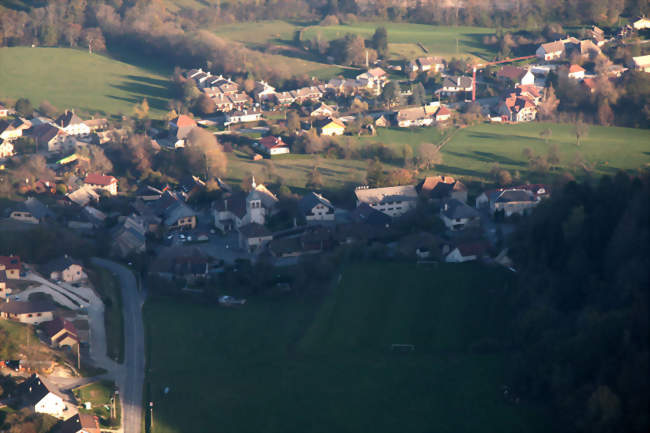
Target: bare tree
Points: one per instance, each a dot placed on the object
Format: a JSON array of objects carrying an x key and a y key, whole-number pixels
[
  {"x": 581, "y": 130},
  {"x": 204, "y": 154},
  {"x": 428, "y": 155}
]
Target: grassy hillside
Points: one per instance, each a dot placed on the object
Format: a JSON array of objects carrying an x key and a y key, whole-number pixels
[
  {"x": 309, "y": 365},
  {"x": 73, "y": 78},
  {"x": 403, "y": 38}
]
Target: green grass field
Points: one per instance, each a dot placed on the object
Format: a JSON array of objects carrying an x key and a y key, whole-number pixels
[
  {"x": 99, "y": 394},
  {"x": 73, "y": 78},
  {"x": 313, "y": 365},
  {"x": 109, "y": 290},
  {"x": 403, "y": 38}
]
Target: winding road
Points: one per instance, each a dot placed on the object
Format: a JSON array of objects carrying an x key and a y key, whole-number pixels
[{"x": 129, "y": 377}]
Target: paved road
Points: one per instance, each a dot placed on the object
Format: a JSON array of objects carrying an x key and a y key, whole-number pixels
[{"x": 130, "y": 378}]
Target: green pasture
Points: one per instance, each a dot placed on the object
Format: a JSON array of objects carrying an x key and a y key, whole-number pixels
[
  {"x": 403, "y": 38},
  {"x": 314, "y": 364},
  {"x": 89, "y": 83}
]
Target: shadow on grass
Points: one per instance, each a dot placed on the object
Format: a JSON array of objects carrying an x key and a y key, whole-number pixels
[
  {"x": 502, "y": 137},
  {"x": 149, "y": 80},
  {"x": 487, "y": 157}
]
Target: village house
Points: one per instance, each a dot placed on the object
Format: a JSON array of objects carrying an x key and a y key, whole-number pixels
[
  {"x": 442, "y": 188},
  {"x": 597, "y": 36},
  {"x": 442, "y": 114},
  {"x": 61, "y": 332},
  {"x": 433, "y": 64},
  {"x": 323, "y": 110},
  {"x": 550, "y": 51},
  {"x": 642, "y": 63},
  {"x": 102, "y": 182},
  {"x": 576, "y": 72},
  {"x": 52, "y": 138},
  {"x": 10, "y": 130},
  {"x": 222, "y": 102},
  {"x": 458, "y": 216},
  {"x": 466, "y": 252},
  {"x": 509, "y": 201},
  {"x": 64, "y": 269},
  {"x": 31, "y": 211},
  {"x": 129, "y": 237},
  {"x": 89, "y": 219},
  {"x": 35, "y": 394},
  {"x": 236, "y": 210},
  {"x": 72, "y": 124},
  {"x": 516, "y": 75},
  {"x": 330, "y": 127},
  {"x": 641, "y": 24},
  {"x": 96, "y": 124},
  {"x": 374, "y": 78},
  {"x": 179, "y": 128},
  {"x": 263, "y": 91},
  {"x": 315, "y": 207},
  {"x": 394, "y": 201},
  {"x": 240, "y": 100},
  {"x": 311, "y": 93},
  {"x": 284, "y": 98},
  {"x": 12, "y": 266},
  {"x": 455, "y": 84},
  {"x": 242, "y": 116},
  {"x": 520, "y": 105},
  {"x": 414, "y": 116},
  {"x": 174, "y": 213},
  {"x": 83, "y": 195},
  {"x": 80, "y": 423},
  {"x": 29, "y": 312},
  {"x": 272, "y": 145},
  {"x": 4, "y": 111},
  {"x": 253, "y": 236}
]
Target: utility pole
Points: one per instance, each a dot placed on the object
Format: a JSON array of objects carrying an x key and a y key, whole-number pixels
[
  {"x": 151, "y": 413},
  {"x": 78, "y": 356}
]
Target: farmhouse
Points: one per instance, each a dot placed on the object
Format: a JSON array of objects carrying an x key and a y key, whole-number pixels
[
  {"x": 322, "y": 110},
  {"x": 510, "y": 201},
  {"x": 520, "y": 105},
  {"x": 273, "y": 145},
  {"x": 83, "y": 195},
  {"x": 31, "y": 211},
  {"x": 641, "y": 24},
  {"x": 27, "y": 312},
  {"x": 253, "y": 236},
  {"x": 72, "y": 124},
  {"x": 61, "y": 332},
  {"x": 102, "y": 182},
  {"x": 174, "y": 213},
  {"x": 433, "y": 64},
  {"x": 64, "y": 269},
  {"x": 129, "y": 237},
  {"x": 516, "y": 75},
  {"x": 442, "y": 187},
  {"x": 374, "y": 78},
  {"x": 393, "y": 201},
  {"x": 11, "y": 265},
  {"x": 414, "y": 116},
  {"x": 550, "y": 50},
  {"x": 242, "y": 116},
  {"x": 442, "y": 114},
  {"x": 330, "y": 127},
  {"x": 80, "y": 423},
  {"x": 315, "y": 207},
  {"x": 41, "y": 397},
  {"x": 454, "y": 84},
  {"x": 52, "y": 138},
  {"x": 180, "y": 127},
  {"x": 10, "y": 130},
  {"x": 458, "y": 216}
]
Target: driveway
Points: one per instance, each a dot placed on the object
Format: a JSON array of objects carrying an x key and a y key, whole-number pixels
[{"x": 129, "y": 376}]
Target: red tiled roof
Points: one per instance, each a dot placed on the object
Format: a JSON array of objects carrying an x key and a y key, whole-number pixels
[
  {"x": 576, "y": 68},
  {"x": 270, "y": 142},
  {"x": 99, "y": 179},
  {"x": 184, "y": 120},
  {"x": 10, "y": 262},
  {"x": 443, "y": 111},
  {"x": 53, "y": 327}
]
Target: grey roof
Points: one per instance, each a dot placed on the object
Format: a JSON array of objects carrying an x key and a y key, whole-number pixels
[
  {"x": 130, "y": 236},
  {"x": 36, "y": 208},
  {"x": 44, "y": 133},
  {"x": 59, "y": 264},
  {"x": 413, "y": 113},
  {"x": 25, "y": 307},
  {"x": 456, "y": 209},
  {"x": 83, "y": 195},
  {"x": 310, "y": 200},
  {"x": 32, "y": 390},
  {"x": 177, "y": 211},
  {"x": 454, "y": 81},
  {"x": 387, "y": 194},
  {"x": 254, "y": 230}
]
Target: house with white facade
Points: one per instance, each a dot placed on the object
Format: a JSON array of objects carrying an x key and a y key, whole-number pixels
[
  {"x": 315, "y": 207},
  {"x": 64, "y": 269},
  {"x": 466, "y": 252},
  {"x": 550, "y": 50},
  {"x": 458, "y": 216},
  {"x": 393, "y": 201},
  {"x": 510, "y": 201},
  {"x": 29, "y": 312},
  {"x": 272, "y": 145},
  {"x": 72, "y": 124},
  {"x": 102, "y": 182},
  {"x": 41, "y": 397}
]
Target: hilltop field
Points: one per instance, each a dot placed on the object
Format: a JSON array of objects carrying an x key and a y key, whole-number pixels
[
  {"x": 324, "y": 363},
  {"x": 90, "y": 83}
]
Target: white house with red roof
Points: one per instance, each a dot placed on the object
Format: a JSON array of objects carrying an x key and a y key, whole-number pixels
[
  {"x": 374, "y": 78},
  {"x": 442, "y": 114},
  {"x": 576, "y": 72},
  {"x": 467, "y": 251},
  {"x": 103, "y": 182},
  {"x": 272, "y": 145}
]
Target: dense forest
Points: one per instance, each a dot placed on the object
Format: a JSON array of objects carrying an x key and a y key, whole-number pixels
[{"x": 582, "y": 304}]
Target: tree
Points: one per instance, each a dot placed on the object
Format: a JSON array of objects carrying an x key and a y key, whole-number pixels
[
  {"x": 391, "y": 94},
  {"x": 380, "y": 41},
  {"x": 47, "y": 109},
  {"x": 546, "y": 134},
  {"x": 97, "y": 159},
  {"x": 548, "y": 107},
  {"x": 418, "y": 96},
  {"x": 428, "y": 155},
  {"x": 581, "y": 130},
  {"x": 553, "y": 156},
  {"x": 204, "y": 105},
  {"x": 141, "y": 111},
  {"x": 204, "y": 154},
  {"x": 375, "y": 173},
  {"x": 400, "y": 176},
  {"x": 314, "y": 179},
  {"x": 24, "y": 107},
  {"x": 293, "y": 121},
  {"x": 503, "y": 177},
  {"x": 94, "y": 38},
  {"x": 605, "y": 113}
]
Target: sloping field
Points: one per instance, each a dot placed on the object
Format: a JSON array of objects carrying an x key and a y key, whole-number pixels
[{"x": 73, "y": 78}]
